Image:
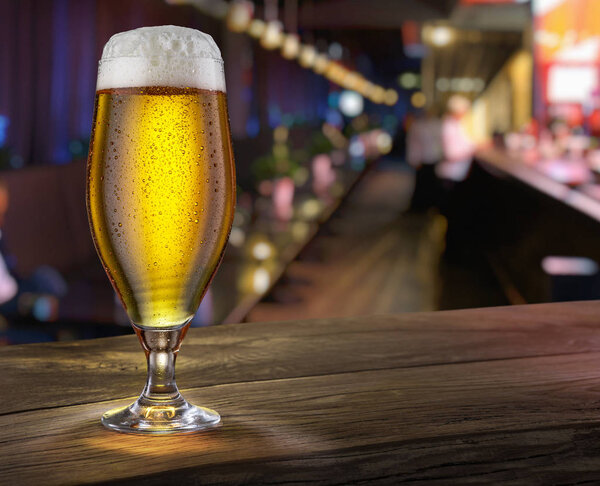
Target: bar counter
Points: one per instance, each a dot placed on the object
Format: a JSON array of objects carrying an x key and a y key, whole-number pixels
[
  {"x": 513, "y": 216},
  {"x": 511, "y": 166},
  {"x": 480, "y": 395}
]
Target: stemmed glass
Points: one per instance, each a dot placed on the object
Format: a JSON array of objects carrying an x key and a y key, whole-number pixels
[{"x": 160, "y": 200}]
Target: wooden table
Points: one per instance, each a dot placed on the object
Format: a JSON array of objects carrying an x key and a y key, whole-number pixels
[{"x": 501, "y": 394}]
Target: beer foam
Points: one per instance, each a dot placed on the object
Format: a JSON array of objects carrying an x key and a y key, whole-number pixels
[{"x": 161, "y": 56}]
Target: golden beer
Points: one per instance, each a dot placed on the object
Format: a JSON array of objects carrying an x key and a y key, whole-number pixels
[
  {"x": 161, "y": 196},
  {"x": 160, "y": 200}
]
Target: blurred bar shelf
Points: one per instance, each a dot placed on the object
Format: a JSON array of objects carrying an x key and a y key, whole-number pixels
[
  {"x": 232, "y": 305},
  {"x": 478, "y": 395}
]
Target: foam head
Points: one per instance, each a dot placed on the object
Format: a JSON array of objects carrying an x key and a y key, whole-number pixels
[{"x": 161, "y": 56}]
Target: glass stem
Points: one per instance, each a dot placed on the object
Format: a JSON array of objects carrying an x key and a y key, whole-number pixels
[{"x": 161, "y": 348}]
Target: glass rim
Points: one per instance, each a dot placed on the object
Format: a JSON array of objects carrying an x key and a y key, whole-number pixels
[{"x": 114, "y": 58}]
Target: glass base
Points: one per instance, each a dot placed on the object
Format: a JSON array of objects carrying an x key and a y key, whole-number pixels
[{"x": 146, "y": 416}]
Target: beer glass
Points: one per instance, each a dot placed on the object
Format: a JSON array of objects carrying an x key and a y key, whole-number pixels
[{"x": 160, "y": 201}]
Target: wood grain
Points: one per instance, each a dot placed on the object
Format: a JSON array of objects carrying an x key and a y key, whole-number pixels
[{"x": 505, "y": 394}]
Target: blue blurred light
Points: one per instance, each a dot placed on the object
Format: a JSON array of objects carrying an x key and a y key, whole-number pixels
[
  {"x": 356, "y": 148},
  {"x": 333, "y": 99},
  {"x": 252, "y": 127},
  {"x": 287, "y": 120},
  {"x": 76, "y": 148},
  {"x": 16, "y": 161},
  {"x": 247, "y": 94},
  {"x": 334, "y": 118},
  {"x": 4, "y": 122},
  {"x": 390, "y": 123},
  {"x": 415, "y": 50},
  {"x": 42, "y": 309},
  {"x": 274, "y": 116},
  {"x": 357, "y": 164},
  {"x": 351, "y": 103}
]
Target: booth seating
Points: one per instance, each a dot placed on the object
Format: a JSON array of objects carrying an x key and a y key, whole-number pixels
[{"x": 46, "y": 224}]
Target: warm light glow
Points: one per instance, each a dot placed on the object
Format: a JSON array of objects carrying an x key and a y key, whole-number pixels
[
  {"x": 377, "y": 95},
  {"x": 301, "y": 176},
  {"x": 159, "y": 413},
  {"x": 352, "y": 80},
  {"x": 334, "y": 135},
  {"x": 261, "y": 280},
  {"x": 281, "y": 151},
  {"x": 441, "y": 36},
  {"x": 262, "y": 250},
  {"x": 458, "y": 105},
  {"x": 300, "y": 230},
  {"x": 391, "y": 97},
  {"x": 310, "y": 209},
  {"x": 239, "y": 16},
  {"x": 291, "y": 46},
  {"x": 256, "y": 28},
  {"x": 280, "y": 134},
  {"x": 307, "y": 56},
  {"x": 442, "y": 84},
  {"x": 272, "y": 37},
  {"x": 361, "y": 85},
  {"x": 383, "y": 142},
  {"x": 465, "y": 84},
  {"x": 237, "y": 237},
  {"x": 336, "y": 73},
  {"x": 418, "y": 100},
  {"x": 366, "y": 89},
  {"x": 321, "y": 63},
  {"x": 408, "y": 80},
  {"x": 571, "y": 84}
]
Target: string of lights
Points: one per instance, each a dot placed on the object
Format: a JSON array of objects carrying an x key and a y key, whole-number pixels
[{"x": 239, "y": 18}]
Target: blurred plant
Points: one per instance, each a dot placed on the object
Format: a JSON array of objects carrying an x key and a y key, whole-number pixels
[
  {"x": 5, "y": 156},
  {"x": 9, "y": 159},
  {"x": 319, "y": 144},
  {"x": 281, "y": 162}
]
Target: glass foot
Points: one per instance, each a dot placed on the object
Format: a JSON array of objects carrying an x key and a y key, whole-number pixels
[{"x": 151, "y": 417}]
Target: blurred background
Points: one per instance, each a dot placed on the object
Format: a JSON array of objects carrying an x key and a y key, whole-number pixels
[{"x": 391, "y": 157}]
